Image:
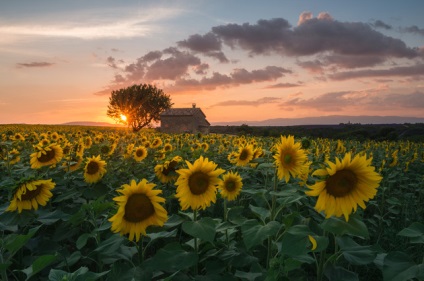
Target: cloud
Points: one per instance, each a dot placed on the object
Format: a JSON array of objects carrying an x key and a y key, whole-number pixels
[
  {"x": 370, "y": 99},
  {"x": 283, "y": 85},
  {"x": 255, "y": 103},
  {"x": 34, "y": 64},
  {"x": 414, "y": 70},
  {"x": 381, "y": 24},
  {"x": 414, "y": 29},
  {"x": 305, "y": 16}
]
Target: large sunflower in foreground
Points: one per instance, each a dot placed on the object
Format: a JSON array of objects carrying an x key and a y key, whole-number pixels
[
  {"x": 230, "y": 186},
  {"x": 290, "y": 158},
  {"x": 345, "y": 185},
  {"x": 31, "y": 194},
  {"x": 46, "y": 156},
  {"x": 94, "y": 169},
  {"x": 139, "y": 207},
  {"x": 196, "y": 186}
]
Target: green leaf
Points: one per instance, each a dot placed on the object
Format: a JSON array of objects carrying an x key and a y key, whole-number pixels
[
  {"x": 47, "y": 217},
  {"x": 81, "y": 274},
  {"x": 39, "y": 264},
  {"x": 254, "y": 233},
  {"x": 295, "y": 241},
  {"x": 262, "y": 213},
  {"x": 251, "y": 276},
  {"x": 398, "y": 266},
  {"x": 162, "y": 234},
  {"x": 172, "y": 258},
  {"x": 14, "y": 242},
  {"x": 82, "y": 240},
  {"x": 337, "y": 273},
  {"x": 355, "y": 226},
  {"x": 235, "y": 215},
  {"x": 110, "y": 245},
  {"x": 355, "y": 253},
  {"x": 415, "y": 231},
  {"x": 204, "y": 228}
]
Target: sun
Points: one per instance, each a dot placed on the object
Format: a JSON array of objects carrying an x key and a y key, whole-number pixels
[{"x": 123, "y": 117}]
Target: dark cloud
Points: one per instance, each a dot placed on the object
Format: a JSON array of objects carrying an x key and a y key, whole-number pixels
[
  {"x": 255, "y": 103},
  {"x": 351, "y": 61},
  {"x": 381, "y": 24},
  {"x": 315, "y": 66},
  {"x": 283, "y": 85},
  {"x": 372, "y": 99},
  {"x": 173, "y": 67},
  {"x": 111, "y": 62},
  {"x": 415, "y": 70},
  {"x": 313, "y": 36},
  {"x": 414, "y": 29},
  {"x": 202, "y": 44},
  {"x": 237, "y": 77},
  {"x": 35, "y": 64},
  {"x": 201, "y": 69}
]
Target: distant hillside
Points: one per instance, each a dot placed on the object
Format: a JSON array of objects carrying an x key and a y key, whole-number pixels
[
  {"x": 326, "y": 120},
  {"x": 89, "y": 123}
]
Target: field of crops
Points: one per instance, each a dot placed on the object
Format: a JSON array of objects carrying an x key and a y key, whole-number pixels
[{"x": 94, "y": 203}]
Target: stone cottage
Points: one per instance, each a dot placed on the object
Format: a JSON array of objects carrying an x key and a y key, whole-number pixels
[{"x": 184, "y": 120}]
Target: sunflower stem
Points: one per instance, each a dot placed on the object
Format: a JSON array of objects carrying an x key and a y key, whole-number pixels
[
  {"x": 3, "y": 272},
  {"x": 225, "y": 220},
  {"x": 196, "y": 249},
  {"x": 140, "y": 250}
]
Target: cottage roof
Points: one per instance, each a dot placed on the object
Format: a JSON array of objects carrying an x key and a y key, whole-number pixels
[
  {"x": 183, "y": 112},
  {"x": 193, "y": 111}
]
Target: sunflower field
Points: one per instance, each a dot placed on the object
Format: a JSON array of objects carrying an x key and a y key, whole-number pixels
[{"x": 97, "y": 203}]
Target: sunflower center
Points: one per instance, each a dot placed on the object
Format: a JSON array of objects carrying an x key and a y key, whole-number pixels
[
  {"x": 47, "y": 157},
  {"x": 341, "y": 183},
  {"x": 230, "y": 186},
  {"x": 30, "y": 194},
  {"x": 92, "y": 168},
  {"x": 198, "y": 183},
  {"x": 139, "y": 152},
  {"x": 287, "y": 158},
  {"x": 243, "y": 154},
  {"x": 138, "y": 208}
]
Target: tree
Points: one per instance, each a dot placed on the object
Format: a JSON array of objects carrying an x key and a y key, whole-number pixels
[{"x": 138, "y": 105}]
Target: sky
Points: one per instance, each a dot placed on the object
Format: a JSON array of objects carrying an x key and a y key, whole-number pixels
[{"x": 236, "y": 60}]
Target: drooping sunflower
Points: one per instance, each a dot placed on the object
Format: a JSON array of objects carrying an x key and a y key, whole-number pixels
[
  {"x": 166, "y": 172},
  {"x": 344, "y": 185},
  {"x": 196, "y": 186},
  {"x": 140, "y": 153},
  {"x": 94, "y": 169},
  {"x": 46, "y": 156},
  {"x": 31, "y": 194},
  {"x": 139, "y": 207},
  {"x": 72, "y": 163},
  {"x": 230, "y": 186},
  {"x": 290, "y": 158}
]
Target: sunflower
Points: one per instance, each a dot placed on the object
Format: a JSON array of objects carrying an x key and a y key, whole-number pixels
[
  {"x": 139, "y": 207},
  {"x": 166, "y": 172},
  {"x": 244, "y": 155},
  {"x": 167, "y": 147},
  {"x": 140, "y": 153},
  {"x": 345, "y": 185},
  {"x": 31, "y": 194},
  {"x": 230, "y": 186},
  {"x": 196, "y": 186},
  {"x": 46, "y": 156},
  {"x": 13, "y": 156},
  {"x": 290, "y": 158},
  {"x": 156, "y": 142},
  {"x": 72, "y": 163},
  {"x": 94, "y": 170}
]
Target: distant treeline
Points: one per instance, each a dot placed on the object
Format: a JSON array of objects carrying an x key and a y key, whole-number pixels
[{"x": 390, "y": 132}]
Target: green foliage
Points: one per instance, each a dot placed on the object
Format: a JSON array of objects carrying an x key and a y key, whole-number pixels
[
  {"x": 263, "y": 235},
  {"x": 140, "y": 104}
]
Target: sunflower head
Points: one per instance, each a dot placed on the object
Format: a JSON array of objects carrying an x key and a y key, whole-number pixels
[
  {"x": 230, "y": 186},
  {"x": 94, "y": 169},
  {"x": 46, "y": 156},
  {"x": 138, "y": 207},
  {"x": 30, "y": 194},
  {"x": 140, "y": 153},
  {"x": 196, "y": 185},
  {"x": 290, "y": 158},
  {"x": 344, "y": 185}
]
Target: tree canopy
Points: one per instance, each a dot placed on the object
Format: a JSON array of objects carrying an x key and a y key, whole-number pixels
[{"x": 138, "y": 105}]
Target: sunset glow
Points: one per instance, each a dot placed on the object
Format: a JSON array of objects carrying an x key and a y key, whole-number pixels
[
  {"x": 238, "y": 61},
  {"x": 123, "y": 118}
]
